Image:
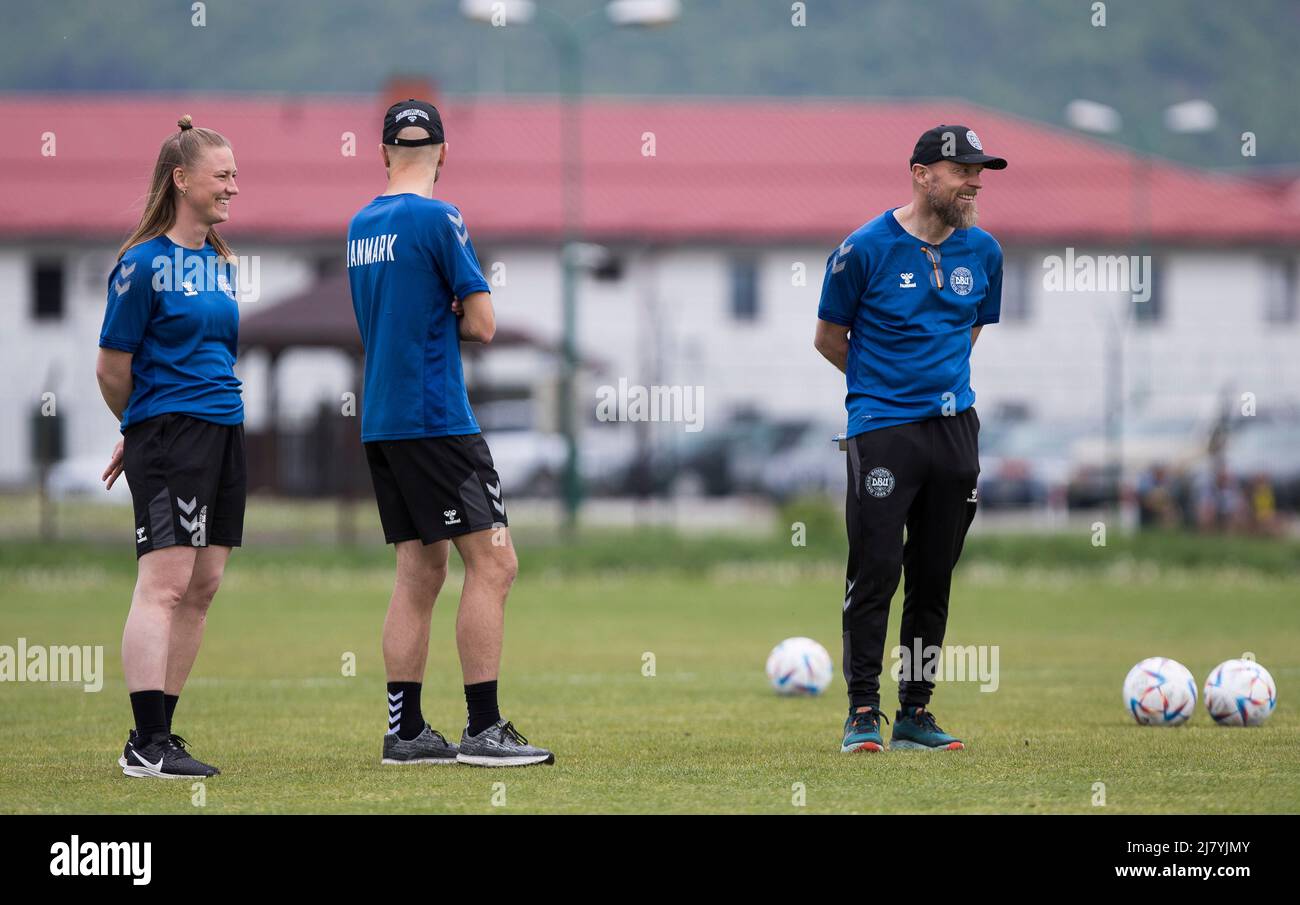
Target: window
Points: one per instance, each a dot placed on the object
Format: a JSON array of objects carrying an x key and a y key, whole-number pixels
[
  {"x": 327, "y": 265},
  {"x": 1016, "y": 283},
  {"x": 1280, "y": 301},
  {"x": 47, "y": 437},
  {"x": 1151, "y": 277},
  {"x": 744, "y": 289},
  {"x": 47, "y": 289}
]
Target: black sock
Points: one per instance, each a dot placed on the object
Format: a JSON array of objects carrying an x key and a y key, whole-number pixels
[
  {"x": 170, "y": 701},
  {"x": 150, "y": 714},
  {"x": 404, "y": 717},
  {"x": 481, "y": 699}
]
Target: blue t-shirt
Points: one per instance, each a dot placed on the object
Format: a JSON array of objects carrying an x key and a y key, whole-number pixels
[
  {"x": 407, "y": 257},
  {"x": 174, "y": 309},
  {"x": 909, "y": 307}
]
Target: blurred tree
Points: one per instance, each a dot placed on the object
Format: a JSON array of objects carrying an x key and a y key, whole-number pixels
[{"x": 1028, "y": 57}]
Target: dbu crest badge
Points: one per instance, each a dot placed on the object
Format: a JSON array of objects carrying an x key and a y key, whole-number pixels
[
  {"x": 962, "y": 281},
  {"x": 880, "y": 482}
]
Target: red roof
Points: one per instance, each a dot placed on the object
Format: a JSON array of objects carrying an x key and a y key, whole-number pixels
[{"x": 737, "y": 170}]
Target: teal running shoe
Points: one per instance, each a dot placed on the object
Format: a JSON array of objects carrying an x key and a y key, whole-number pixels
[
  {"x": 862, "y": 731},
  {"x": 915, "y": 728}
]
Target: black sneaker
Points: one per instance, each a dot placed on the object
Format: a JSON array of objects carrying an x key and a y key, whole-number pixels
[
  {"x": 130, "y": 740},
  {"x": 162, "y": 757},
  {"x": 429, "y": 747},
  {"x": 500, "y": 745}
]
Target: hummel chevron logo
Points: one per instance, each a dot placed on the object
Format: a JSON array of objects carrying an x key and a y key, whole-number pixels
[
  {"x": 190, "y": 525},
  {"x": 848, "y": 593},
  {"x": 127, "y": 270},
  {"x": 495, "y": 490},
  {"x": 122, "y": 287},
  {"x": 458, "y": 221},
  {"x": 839, "y": 257},
  {"x": 394, "y": 711}
]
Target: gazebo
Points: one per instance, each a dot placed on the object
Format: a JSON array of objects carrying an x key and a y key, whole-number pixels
[{"x": 321, "y": 317}]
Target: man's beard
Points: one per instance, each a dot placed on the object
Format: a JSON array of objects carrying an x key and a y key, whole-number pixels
[{"x": 952, "y": 213}]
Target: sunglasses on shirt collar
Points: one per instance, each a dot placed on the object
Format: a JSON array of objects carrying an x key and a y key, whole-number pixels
[{"x": 936, "y": 268}]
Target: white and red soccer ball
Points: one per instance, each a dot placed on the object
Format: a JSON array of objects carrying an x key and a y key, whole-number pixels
[
  {"x": 1160, "y": 692},
  {"x": 799, "y": 666},
  {"x": 1240, "y": 693}
]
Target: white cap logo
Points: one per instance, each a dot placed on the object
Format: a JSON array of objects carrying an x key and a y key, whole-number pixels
[{"x": 974, "y": 140}]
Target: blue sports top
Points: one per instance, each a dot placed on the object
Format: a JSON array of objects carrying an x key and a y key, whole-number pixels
[
  {"x": 174, "y": 309},
  {"x": 910, "y": 307},
  {"x": 408, "y": 256}
]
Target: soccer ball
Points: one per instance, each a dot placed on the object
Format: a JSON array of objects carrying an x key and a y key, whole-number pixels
[
  {"x": 799, "y": 666},
  {"x": 1160, "y": 692},
  {"x": 1240, "y": 693}
]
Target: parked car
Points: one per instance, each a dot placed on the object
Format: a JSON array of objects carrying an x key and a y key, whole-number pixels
[
  {"x": 1268, "y": 450},
  {"x": 731, "y": 460},
  {"x": 813, "y": 464},
  {"x": 1176, "y": 441},
  {"x": 1027, "y": 463},
  {"x": 79, "y": 478},
  {"x": 531, "y": 463}
]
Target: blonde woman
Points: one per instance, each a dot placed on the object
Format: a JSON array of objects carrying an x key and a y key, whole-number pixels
[{"x": 166, "y": 369}]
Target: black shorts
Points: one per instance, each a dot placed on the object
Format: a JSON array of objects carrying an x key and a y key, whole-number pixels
[
  {"x": 433, "y": 488},
  {"x": 188, "y": 482}
]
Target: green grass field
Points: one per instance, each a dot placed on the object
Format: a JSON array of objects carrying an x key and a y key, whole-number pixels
[{"x": 269, "y": 704}]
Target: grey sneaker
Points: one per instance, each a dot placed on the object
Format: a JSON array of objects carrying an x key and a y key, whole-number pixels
[
  {"x": 500, "y": 745},
  {"x": 429, "y": 747}
]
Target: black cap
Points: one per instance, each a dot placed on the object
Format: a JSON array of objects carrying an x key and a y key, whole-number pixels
[
  {"x": 961, "y": 144},
  {"x": 411, "y": 112}
]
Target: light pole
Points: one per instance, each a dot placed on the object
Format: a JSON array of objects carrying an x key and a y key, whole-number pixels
[
  {"x": 570, "y": 38},
  {"x": 1194, "y": 116}
]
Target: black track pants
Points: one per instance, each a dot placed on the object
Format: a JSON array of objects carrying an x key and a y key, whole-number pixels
[{"x": 919, "y": 476}]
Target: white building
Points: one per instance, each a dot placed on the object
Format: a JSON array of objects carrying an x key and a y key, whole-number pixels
[{"x": 719, "y": 244}]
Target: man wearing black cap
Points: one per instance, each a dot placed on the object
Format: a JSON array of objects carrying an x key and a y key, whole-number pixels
[
  {"x": 418, "y": 291},
  {"x": 903, "y": 301}
]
